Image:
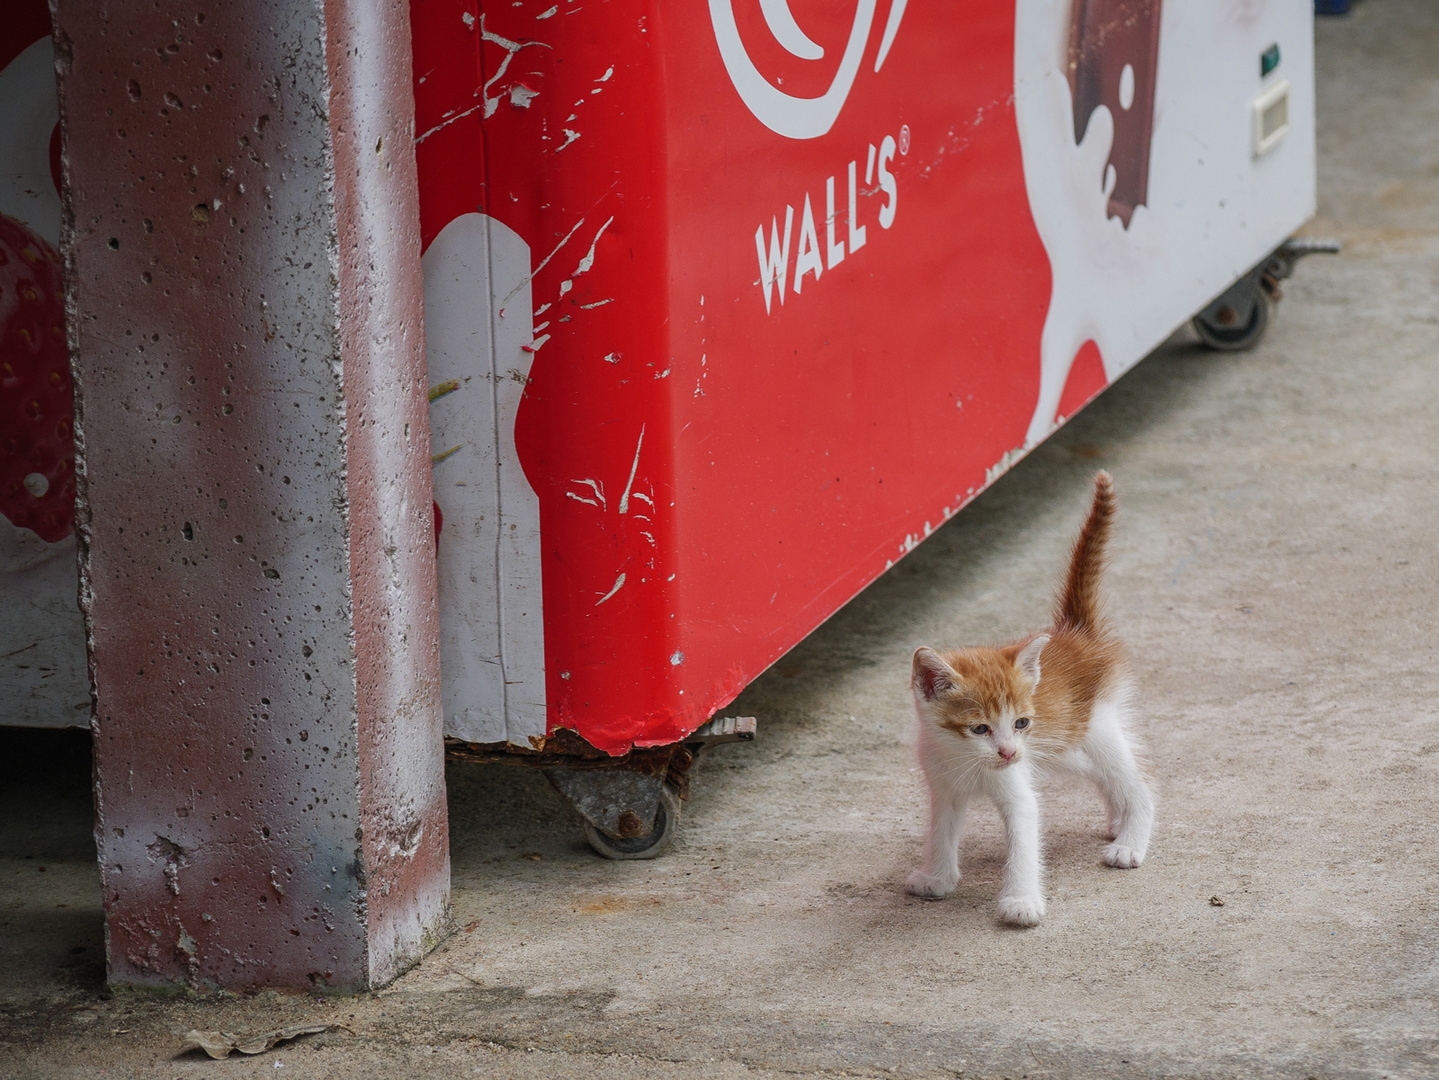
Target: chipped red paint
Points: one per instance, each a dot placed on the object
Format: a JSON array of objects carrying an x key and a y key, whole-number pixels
[
  {"x": 254, "y": 516},
  {"x": 37, "y": 408}
]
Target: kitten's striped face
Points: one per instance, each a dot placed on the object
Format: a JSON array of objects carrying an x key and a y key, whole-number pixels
[
  {"x": 1004, "y": 735},
  {"x": 982, "y": 697}
]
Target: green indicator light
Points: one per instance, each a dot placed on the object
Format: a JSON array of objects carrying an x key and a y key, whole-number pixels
[{"x": 1268, "y": 60}]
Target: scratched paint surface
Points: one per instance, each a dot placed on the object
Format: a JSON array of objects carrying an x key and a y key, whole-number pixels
[{"x": 794, "y": 292}]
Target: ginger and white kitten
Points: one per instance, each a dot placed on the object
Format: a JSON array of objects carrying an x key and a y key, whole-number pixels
[{"x": 990, "y": 717}]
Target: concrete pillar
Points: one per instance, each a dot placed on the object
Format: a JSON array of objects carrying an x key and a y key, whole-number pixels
[{"x": 257, "y": 560}]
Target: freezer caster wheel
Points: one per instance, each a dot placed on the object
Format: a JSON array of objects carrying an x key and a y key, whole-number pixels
[
  {"x": 653, "y": 843},
  {"x": 630, "y": 805},
  {"x": 1238, "y": 319}
]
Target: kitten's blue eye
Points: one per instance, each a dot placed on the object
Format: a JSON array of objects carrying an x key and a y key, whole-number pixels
[
  {"x": 980, "y": 729},
  {"x": 1021, "y": 723}
]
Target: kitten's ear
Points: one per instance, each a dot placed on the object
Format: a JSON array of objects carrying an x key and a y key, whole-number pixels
[
  {"x": 931, "y": 676},
  {"x": 1028, "y": 659}
]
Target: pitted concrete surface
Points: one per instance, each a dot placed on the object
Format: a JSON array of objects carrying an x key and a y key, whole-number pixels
[
  {"x": 283, "y": 613},
  {"x": 1275, "y": 573}
]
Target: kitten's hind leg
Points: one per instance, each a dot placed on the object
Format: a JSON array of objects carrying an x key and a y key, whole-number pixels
[
  {"x": 1114, "y": 769},
  {"x": 1077, "y": 762},
  {"x": 939, "y": 874},
  {"x": 1020, "y": 901}
]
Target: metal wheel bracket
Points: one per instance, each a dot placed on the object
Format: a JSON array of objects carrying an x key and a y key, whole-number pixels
[
  {"x": 631, "y": 804},
  {"x": 1239, "y": 316},
  {"x": 621, "y": 803},
  {"x": 1234, "y": 308},
  {"x": 1281, "y": 264}
]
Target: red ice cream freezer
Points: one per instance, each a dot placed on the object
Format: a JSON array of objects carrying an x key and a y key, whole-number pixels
[{"x": 729, "y": 305}]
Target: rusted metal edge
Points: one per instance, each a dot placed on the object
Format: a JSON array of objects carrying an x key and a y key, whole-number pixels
[
  {"x": 568, "y": 749},
  {"x": 649, "y": 760}
]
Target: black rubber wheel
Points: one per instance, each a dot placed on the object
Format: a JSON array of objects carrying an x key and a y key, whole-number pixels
[
  {"x": 1222, "y": 324},
  {"x": 649, "y": 846}
]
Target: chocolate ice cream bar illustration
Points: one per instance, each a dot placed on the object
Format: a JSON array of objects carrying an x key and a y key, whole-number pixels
[{"x": 1113, "y": 56}]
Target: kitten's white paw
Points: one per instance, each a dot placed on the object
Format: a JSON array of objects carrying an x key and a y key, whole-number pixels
[
  {"x": 1021, "y": 910},
  {"x": 1123, "y": 856},
  {"x": 929, "y": 886}
]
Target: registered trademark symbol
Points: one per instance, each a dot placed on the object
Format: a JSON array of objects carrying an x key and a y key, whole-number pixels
[{"x": 904, "y": 139}]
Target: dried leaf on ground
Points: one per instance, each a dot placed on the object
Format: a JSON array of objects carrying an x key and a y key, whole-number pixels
[{"x": 220, "y": 1044}]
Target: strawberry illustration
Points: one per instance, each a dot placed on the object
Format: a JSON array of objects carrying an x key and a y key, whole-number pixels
[{"x": 37, "y": 405}]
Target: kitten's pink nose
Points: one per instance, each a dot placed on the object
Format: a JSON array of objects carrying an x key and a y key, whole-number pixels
[{"x": 1006, "y": 752}]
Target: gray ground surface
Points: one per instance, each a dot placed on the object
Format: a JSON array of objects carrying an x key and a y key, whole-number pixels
[{"x": 1276, "y": 575}]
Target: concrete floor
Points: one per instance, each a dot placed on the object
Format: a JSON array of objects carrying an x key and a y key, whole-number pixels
[{"x": 1276, "y": 575}]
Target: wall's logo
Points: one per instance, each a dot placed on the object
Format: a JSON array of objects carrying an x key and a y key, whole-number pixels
[{"x": 784, "y": 114}]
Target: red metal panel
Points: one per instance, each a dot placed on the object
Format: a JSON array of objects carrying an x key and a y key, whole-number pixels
[
  {"x": 764, "y": 451},
  {"x": 819, "y": 438}
]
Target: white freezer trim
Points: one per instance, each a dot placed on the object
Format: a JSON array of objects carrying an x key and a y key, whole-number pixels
[{"x": 492, "y": 650}]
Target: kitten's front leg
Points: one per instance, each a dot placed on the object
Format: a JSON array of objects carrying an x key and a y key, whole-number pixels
[
  {"x": 1020, "y": 901},
  {"x": 939, "y": 874}
]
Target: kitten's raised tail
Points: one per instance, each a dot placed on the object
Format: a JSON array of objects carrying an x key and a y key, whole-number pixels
[{"x": 1078, "y": 607}]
